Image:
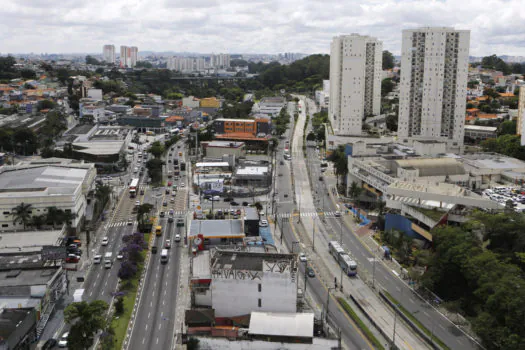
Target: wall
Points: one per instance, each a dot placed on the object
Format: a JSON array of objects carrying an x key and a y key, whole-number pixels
[{"x": 399, "y": 223}]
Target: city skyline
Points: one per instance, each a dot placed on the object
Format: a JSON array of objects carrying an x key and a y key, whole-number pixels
[{"x": 263, "y": 27}]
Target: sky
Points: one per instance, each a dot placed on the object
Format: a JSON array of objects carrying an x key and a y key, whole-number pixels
[{"x": 255, "y": 26}]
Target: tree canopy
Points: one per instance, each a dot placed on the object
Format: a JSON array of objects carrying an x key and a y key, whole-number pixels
[
  {"x": 509, "y": 145},
  {"x": 388, "y": 60},
  {"x": 494, "y": 62},
  {"x": 92, "y": 60},
  {"x": 86, "y": 319}
]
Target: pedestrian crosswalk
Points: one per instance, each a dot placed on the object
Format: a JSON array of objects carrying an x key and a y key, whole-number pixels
[{"x": 308, "y": 214}]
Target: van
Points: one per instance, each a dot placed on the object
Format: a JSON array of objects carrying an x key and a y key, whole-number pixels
[
  {"x": 158, "y": 231},
  {"x": 164, "y": 256}
]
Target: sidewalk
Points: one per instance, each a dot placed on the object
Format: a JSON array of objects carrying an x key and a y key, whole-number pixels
[{"x": 325, "y": 264}]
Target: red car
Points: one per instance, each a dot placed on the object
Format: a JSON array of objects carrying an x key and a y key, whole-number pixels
[
  {"x": 72, "y": 259},
  {"x": 169, "y": 183}
]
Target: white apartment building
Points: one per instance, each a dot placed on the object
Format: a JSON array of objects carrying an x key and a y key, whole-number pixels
[
  {"x": 433, "y": 86},
  {"x": 521, "y": 115},
  {"x": 108, "y": 53},
  {"x": 236, "y": 283},
  {"x": 221, "y": 60},
  {"x": 128, "y": 56},
  {"x": 355, "y": 82},
  {"x": 186, "y": 64}
]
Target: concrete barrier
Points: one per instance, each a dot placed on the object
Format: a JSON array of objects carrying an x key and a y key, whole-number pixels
[{"x": 370, "y": 319}]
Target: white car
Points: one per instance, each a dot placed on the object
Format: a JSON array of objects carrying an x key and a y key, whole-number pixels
[
  {"x": 263, "y": 223},
  {"x": 182, "y": 184},
  {"x": 62, "y": 343},
  {"x": 105, "y": 241},
  {"x": 303, "y": 257},
  {"x": 177, "y": 238},
  {"x": 216, "y": 198},
  {"x": 120, "y": 255},
  {"x": 97, "y": 259}
]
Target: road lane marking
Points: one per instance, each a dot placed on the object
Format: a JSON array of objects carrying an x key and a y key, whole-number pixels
[
  {"x": 149, "y": 314},
  {"x": 426, "y": 314},
  {"x": 143, "y": 340}
]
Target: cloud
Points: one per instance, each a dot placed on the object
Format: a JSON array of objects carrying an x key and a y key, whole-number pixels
[{"x": 242, "y": 26}]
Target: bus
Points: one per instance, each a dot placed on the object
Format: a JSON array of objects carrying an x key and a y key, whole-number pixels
[
  {"x": 133, "y": 187},
  {"x": 158, "y": 231},
  {"x": 164, "y": 256},
  {"x": 344, "y": 260}
]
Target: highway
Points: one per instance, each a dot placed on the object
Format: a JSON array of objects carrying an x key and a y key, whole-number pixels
[
  {"x": 383, "y": 276},
  {"x": 155, "y": 319}
]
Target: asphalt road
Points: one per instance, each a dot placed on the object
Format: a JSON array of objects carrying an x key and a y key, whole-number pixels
[
  {"x": 428, "y": 316},
  {"x": 155, "y": 320}
]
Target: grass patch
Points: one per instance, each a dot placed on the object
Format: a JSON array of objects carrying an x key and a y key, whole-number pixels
[
  {"x": 416, "y": 321},
  {"x": 120, "y": 324},
  {"x": 434, "y": 214},
  {"x": 368, "y": 333}
]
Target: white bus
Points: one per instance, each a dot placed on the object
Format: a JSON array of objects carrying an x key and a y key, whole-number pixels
[
  {"x": 348, "y": 265},
  {"x": 164, "y": 256},
  {"x": 133, "y": 187}
]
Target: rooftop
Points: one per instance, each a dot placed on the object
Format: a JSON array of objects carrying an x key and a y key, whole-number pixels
[
  {"x": 34, "y": 277},
  {"x": 40, "y": 180},
  {"x": 201, "y": 265},
  {"x": 282, "y": 324},
  {"x": 212, "y": 164},
  {"x": 227, "y": 344},
  {"x": 29, "y": 241},
  {"x": 232, "y": 144},
  {"x": 10, "y": 319},
  {"x": 433, "y": 166},
  {"x": 102, "y": 147},
  {"x": 252, "y": 261},
  {"x": 253, "y": 170},
  {"x": 481, "y": 128},
  {"x": 217, "y": 228}
]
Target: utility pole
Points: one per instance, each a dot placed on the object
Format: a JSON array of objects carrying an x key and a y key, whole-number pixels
[
  {"x": 327, "y": 303},
  {"x": 313, "y": 237}
]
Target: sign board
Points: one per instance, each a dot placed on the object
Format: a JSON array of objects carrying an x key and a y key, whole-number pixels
[{"x": 50, "y": 252}]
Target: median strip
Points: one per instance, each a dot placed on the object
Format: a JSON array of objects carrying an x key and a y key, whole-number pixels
[
  {"x": 367, "y": 332},
  {"x": 415, "y": 321}
]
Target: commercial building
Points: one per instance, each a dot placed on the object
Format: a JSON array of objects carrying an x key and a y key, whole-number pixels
[
  {"x": 253, "y": 175},
  {"x": 270, "y": 106},
  {"x": 128, "y": 56},
  {"x": 47, "y": 183},
  {"x": 236, "y": 283},
  {"x": 209, "y": 102},
  {"x": 217, "y": 149},
  {"x": 355, "y": 82},
  {"x": 204, "y": 234},
  {"x": 254, "y": 127},
  {"x": 478, "y": 133},
  {"x": 108, "y": 53},
  {"x": 433, "y": 86}
]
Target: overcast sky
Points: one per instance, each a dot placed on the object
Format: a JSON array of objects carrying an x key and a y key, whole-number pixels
[{"x": 255, "y": 26}]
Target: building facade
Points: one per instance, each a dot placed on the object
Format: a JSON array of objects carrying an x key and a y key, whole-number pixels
[
  {"x": 521, "y": 115},
  {"x": 433, "y": 86},
  {"x": 355, "y": 82},
  {"x": 221, "y": 60},
  {"x": 108, "y": 53},
  {"x": 128, "y": 56}
]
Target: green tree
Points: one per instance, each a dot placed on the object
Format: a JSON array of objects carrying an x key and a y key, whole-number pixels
[
  {"x": 28, "y": 74},
  {"x": 143, "y": 64},
  {"x": 340, "y": 160},
  {"x": 53, "y": 216},
  {"x": 507, "y": 128},
  {"x": 355, "y": 191},
  {"x": 38, "y": 220},
  {"x": 45, "y": 104},
  {"x": 91, "y": 60},
  {"x": 67, "y": 218},
  {"x": 85, "y": 319},
  {"x": 62, "y": 75},
  {"x": 143, "y": 211},
  {"x": 157, "y": 149},
  {"x": 22, "y": 214},
  {"x": 388, "y": 60},
  {"x": 386, "y": 86}
]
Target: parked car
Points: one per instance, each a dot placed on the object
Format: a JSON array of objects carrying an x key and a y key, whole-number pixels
[
  {"x": 141, "y": 192},
  {"x": 228, "y": 199},
  {"x": 310, "y": 272},
  {"x": 263, "y": 223},
  {"x": 165, "y": 204},
  {"x": 170, "y": 219},
  {"x": 244, "y": 204},
  {"x": 216, "y": 198},
  {"x": 154, "y": 249},
  {"x": 62, "y": 343},
  {"x": 120, "y": 255},
  {"x": 234, "y": 203},
  {"x": 49, "y": 344},
  {"x": 182, "y": 184},
  {"x": 302, "y": 257},
  {"x": 72, "y": 259},
  {"x": 167, "y": 191},
  {"x": 162, "y": 214}
]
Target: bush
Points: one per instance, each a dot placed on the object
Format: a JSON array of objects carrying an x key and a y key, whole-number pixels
[{"x": 119, "y": 306}]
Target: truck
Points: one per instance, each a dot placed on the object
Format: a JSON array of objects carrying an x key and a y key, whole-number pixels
[
  {"x": 182, "y": 166},
  {"x": 108, "y": 261}
]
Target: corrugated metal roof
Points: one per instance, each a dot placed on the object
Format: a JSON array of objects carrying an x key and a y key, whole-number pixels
[{"x": 282, "y": 324}]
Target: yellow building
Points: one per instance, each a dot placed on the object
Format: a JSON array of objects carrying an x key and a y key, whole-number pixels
[{"x": 210, "y": 102}]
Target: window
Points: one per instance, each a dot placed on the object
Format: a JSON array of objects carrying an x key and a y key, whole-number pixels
[
  {"x": 260, "y": 302},
  {"x": 6, "y": 225},
  {"x": 7, "y": 213},
  {"x": 260, "y": 288}
]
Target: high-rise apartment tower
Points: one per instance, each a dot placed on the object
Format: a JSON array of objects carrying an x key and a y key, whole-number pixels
[
  {"x": 433, "y": 86},
  {"x": 355, "y": 82},
  {"x": 108, "y": 53}
]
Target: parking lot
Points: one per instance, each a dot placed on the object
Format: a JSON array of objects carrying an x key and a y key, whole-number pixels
[{"x": 503, "y": 194}]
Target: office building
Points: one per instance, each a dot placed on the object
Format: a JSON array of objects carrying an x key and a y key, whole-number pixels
[
  {"x": 355, "y": 82},
  {"x": 433, "y": 87},
  {"x": 108, "y": 53},
  {"x": 128, "y": 56},
  {"x": 521, "y": 115}
]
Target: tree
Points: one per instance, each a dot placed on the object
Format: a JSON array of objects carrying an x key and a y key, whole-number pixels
[
  {"x": 156, "y": 149},
  {"x": 38, "y": 220},
  {"x": 391, "y": 122},
  {"x": 388, "y": 60},
  {"x": 507, "y": 128},
  {"x": 386, "y": 87},
  {"x": 67, "y": 217},
  {"x": 91, "y": 60},
  {"x": 354, "y": 191},
  {"x": 310, "y": 136},
  {"x": 127, "y": 270},
  {"x": 22, "y": 214},
  {"x": 28, "y": 74},
  {"x": 53, "y": 216},
  {"x": 340, "y": 160},
  {"x": 143, "y": 211},
  {"x": 85, "y": 319},
  {"x": 45, "y": 104}
]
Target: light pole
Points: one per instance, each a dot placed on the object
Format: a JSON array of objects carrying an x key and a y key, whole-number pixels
[{"x": 327, "y": 303}]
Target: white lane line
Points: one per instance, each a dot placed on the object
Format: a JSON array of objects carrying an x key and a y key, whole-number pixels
[
  {"x": 160, "y": 326},
  {"x": 151, "y": 304},
  {"x": 158, "y": 338},
  {"x": 143, "y": 340},
  {"x": 426, "y": 314},
  {"x": 412, "y": 301},
  {"x": 149, "y": 314},
  {"x": 146, "y": 326},
  {"x": 161, "y": 314}
]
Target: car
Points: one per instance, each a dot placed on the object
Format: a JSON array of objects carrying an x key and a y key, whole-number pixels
[
  {"x": 337, "y": 214},
  {"x": 263, "y": 223},
  {"x": 165, "y": 204},
  {"x": 120, "y": 255},
  {"x": 141, "y": 192},
  {"x": 281, "y": 162},
  {"x": 49, "y": 344},
  {"x": 170, "y": 183},
  {"x": 171, "y": 212},
  {"x": 72, "y": 259},
  {"x": 182, "y": 184},
  {"x": 280, "y": 174},
  {"x": 62, "y": 343},
  {"x": 323, "y": 170},
  {"x": 310, "y": 272},
  {"x": 167, "y": 191},
  {"x": 177, "y": 238},
  {"x": 97, "y": 259},
  {"x": 130, "y": 221},
  {"x": 170, "y": 219},
  {"x": 208, "y": 197},
  {"x": 162, "y": 214},
  {"x": 75, "y": 251},
  {"x": 169, "y": 160},
  {"x": 180, "y": 222},
  {"x": 172, "y": 200},
  {"x": 320, "y": 178},
  {"x": 167, "y": 245},
  {"x": 302, "y": 257},
  {"x": 105, "y": 241},
  {"x": 244, "y": 204},
  {"x": 154, "y": 249},
  {"x": 171, "y": 154},
  {"x": 234, "y": 203},
  {"x": 137, "y": 203},
  {"x": 285, "y": 195},
  {"x": 261, "y": 213},
  {"x": 216, "y": 198},
  {"x": 228, "y": 199}
]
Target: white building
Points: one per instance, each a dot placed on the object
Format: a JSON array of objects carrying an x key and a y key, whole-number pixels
[
  {"x": 355, "y": 82},
  {"x": 235, "y": 283},
  {"x": 44, "y": 184},
  {"x": 128, "y": 56},
  {"x": 433, "y": 87},
  {"x": 221, "y": 60},
  {"x": 186, "y": 64},
  {"x": 521, "y": 114},
  {"x": 108, "y": 53}
]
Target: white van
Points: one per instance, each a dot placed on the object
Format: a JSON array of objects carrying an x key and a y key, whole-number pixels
[{"x": 164, "y": 256}]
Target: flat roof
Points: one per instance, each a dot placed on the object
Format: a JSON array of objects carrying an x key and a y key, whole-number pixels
[
  {"x": 217, "y": 228},
  {"x": 10, "y": 319},
  {"x": 201, "y": 265},
  {"x": 481, "y": 128},
  {"x": 29, "y": 241},
  {"x": 212, "y": 164},
  {"x": 35, "y": 180},
  {"x": 107, "y": 147},
  {"x": 249, "y": 260},
  {"x": 282, "y": 324},
  {"x": 207, "y": 342},
  {"x": 228, "y": 144},
  {"x": 33, "y": 277},
  {"x": 252, "y": 170}
]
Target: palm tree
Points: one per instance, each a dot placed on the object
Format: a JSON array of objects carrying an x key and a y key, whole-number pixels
[
  {"x": 102, "y": 193},
  {"x": 38, "y": 220},
  {"x": 53, "y": 215},
  {"x": 354, "y": 191},
  {"x": 143, "y": 211},
  {"x": 22, "y": 213},
  {"x": 340, "y": 161}
]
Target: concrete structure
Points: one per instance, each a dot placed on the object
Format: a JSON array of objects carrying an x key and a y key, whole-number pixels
[
  {"x": 209, "y": 102},
  {"x": 128, "y": 56},
  {"x": 18, "y": 328},
  {"x": 322, "y": 97},
  {"x": 521, "y": 115},
  {"x": 108, "y": 53},
  {"x": 433, "y": 86},
  {"x": 29, "y": 242},
  {"x": 355, "y": 82},
  {"x": 217, "y": 149},
  {"x": 282, "y": 327},
  {"x": 253, "y": 175},
  {"x": 479, "y": 133},
  {"x": 186, "y": 64},
  {"x": 204, "y": 234},
  {"x": 95, "y": 94},
  {"x": 270, "y": 106},
  {"x": 236, "y": 283},
  {"x": 191, "y": 102},
  {"x": 43, "y": 185},
  {"x": 221, "y": 60},
  {"x": 253, "y": 127}
]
